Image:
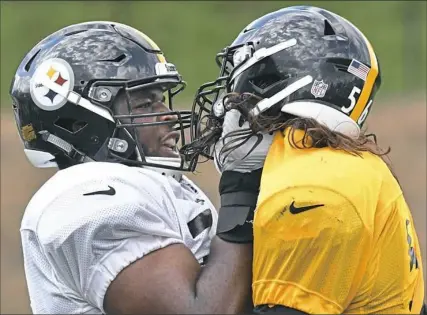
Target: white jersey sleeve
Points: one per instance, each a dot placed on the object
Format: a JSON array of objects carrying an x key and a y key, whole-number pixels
[{"x": 82, "y": 234}]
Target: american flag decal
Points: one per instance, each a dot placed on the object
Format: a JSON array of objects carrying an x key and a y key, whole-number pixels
[{"x": 358, "y": 69}]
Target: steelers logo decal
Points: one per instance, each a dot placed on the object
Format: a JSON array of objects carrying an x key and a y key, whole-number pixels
[{"x": 51, "y": 81}]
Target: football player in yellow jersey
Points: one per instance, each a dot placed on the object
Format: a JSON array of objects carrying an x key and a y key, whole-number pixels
[{"x": 332, "y": 230}]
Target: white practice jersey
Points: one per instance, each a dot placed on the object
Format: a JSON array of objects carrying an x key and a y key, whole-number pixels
[{"x": 90, "y": 221}]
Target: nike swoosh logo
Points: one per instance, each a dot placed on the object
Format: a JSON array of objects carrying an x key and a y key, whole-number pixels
[
  {"x": 296, "y": 210},
  {"x": 110, "y": 192}
]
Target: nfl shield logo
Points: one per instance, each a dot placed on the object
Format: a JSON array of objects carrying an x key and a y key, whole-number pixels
[{"x": 319, "y": 88}]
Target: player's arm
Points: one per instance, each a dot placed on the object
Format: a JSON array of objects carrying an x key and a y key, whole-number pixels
[
  {"x": 170, "y": 280},
  {"x": 323, "y": 247}
]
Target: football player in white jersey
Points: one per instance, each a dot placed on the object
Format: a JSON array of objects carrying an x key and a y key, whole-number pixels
[{"x": 119, "y": 228}]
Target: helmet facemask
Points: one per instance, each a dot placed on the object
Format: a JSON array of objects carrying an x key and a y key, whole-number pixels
[
  {"x": 149, "y": 131},
  {"x": 208, "y": 106},
  {"x": 215, "y": 99}
]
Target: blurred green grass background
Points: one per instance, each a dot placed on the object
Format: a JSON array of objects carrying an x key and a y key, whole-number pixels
[{"x": 192, "y": 32}]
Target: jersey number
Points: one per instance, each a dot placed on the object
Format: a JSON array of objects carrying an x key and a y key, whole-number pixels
[
  {"x": 353, "y": 101},
  {"x": 412, "y": 255},
  {"x": 413, "y": 262}
]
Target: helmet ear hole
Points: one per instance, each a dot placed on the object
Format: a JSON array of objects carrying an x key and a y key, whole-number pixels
[
  {"x": 70, "y": 124},
  {"x": 265, "y": 81},
  {"x": 268, "y": 84}
]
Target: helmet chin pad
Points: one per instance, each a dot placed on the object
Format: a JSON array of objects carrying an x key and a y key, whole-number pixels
[{"x": 167, "y": 161}]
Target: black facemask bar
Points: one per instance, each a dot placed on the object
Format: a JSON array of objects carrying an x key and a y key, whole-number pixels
[
  {"x": 206, "y": 126},
  {"x": 172, "y": 85}
]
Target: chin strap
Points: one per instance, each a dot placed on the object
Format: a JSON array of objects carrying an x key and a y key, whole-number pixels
[
  {"x": 80, "y": 157},
  {"x": 66, "y": 147}
]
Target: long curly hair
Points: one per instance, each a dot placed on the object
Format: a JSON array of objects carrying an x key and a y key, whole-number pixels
[{"x": 315, "y": 134}]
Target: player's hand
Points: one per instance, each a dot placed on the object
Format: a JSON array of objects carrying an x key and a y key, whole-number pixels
[
  {"x": 235, "y": 151},
  {"x": 241, "y": 170}
]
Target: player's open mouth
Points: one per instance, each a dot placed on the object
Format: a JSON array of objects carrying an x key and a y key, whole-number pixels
[{"x": 169, "y": 144}]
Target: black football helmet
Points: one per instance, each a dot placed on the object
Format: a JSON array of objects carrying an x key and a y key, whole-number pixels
[
  {"x": 303, "y": 61},
  {"x": 64, "y": 89}
]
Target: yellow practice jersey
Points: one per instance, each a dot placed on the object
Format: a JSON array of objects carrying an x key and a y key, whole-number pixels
[{"x": 334, "y": 234}]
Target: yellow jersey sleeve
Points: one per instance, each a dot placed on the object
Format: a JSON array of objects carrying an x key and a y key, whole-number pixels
[{"x": 311, "y": 250}]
